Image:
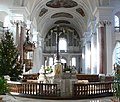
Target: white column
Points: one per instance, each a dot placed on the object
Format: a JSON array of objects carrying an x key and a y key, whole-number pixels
[
  {"x": 37, "y": 60},
  {"x": 68, "y": 59},
  {"x": 88, "y": 57},
  {"x": 104, "y": 39},
  {"x": 94, "y": 53},
  {"x": 17, "y": 34},
  {"x": 83, "y": 59},
  {"x": 38, "y": 56},
  {"x": 109, "y": 47}
]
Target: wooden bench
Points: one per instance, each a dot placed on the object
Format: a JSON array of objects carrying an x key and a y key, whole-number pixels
[{"x": 89, "y": 77}]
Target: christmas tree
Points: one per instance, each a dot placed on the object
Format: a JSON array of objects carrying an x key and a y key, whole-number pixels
[
  {"x": 9, "y": 63},
  {"x": 116, "y": 84}
]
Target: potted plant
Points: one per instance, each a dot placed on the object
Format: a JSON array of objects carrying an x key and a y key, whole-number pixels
[
  {"x": 116, "y": 84},
  {"x": 3, "y": 87},
  {"x": 67, "y": 69}
]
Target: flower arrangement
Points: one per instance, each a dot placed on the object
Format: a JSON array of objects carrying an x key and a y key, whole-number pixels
[
  {"x": 67, "y": 69},
  {"x": 46, "y": 69}
]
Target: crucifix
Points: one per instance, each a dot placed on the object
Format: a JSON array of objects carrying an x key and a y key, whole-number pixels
[{"x": 58, "y": 33}]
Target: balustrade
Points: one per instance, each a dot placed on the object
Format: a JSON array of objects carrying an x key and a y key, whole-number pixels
[
  {"x": 34, "y": 89},
  {"x": 93, "y": 89},
  {"x": 80, "y": 90}
]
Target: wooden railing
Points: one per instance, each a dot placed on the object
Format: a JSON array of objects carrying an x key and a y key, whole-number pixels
[
  {"x": 34, "y": 89},
  {"x": 94, "y": 89},
  {"x": 44, "y": 90}
]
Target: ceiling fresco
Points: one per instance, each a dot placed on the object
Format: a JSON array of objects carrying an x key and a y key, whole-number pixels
[
  {"x": 62, "y": 14},
  {"x": 43, "y": 11},
  {"x": 61, "y": 3},
  {"x": 62, "y": 21},
  {"x": 80, "y": 11}
]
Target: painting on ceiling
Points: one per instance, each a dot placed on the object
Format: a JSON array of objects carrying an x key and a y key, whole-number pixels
[
  {"x": 80, "y": 11},
  {"x": 43, "y": 11},
  {"x": 62, "y": 21},
  {"x": 62, "y": 14},
  {"x": 61, "y": 3}
]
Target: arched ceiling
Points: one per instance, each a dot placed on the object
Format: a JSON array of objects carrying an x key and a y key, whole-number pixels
[
  {"x": 77, "y": 12},
  {"x": 46, "y": 12}
]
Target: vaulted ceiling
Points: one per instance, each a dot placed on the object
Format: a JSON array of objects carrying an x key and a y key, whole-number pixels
[
  {"x": 76, "y": 12},
  {"x": 48, "y": 13}
]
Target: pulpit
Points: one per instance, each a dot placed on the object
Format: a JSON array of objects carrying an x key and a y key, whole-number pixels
[{"x": 28, "y": 50}]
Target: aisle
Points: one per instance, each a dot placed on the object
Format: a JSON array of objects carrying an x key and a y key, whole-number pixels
[{"x": 8, "y": 98}]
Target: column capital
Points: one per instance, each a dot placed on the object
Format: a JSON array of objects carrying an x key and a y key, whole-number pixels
[
  {"x": 103, "y": 23},
  {"x": 23, "y": 24},
  {"x": 14, "y": 22}
]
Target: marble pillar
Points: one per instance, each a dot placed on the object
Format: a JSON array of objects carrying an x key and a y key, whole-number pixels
[
  {"x": 109, "y": 48},
  {"x": 17, "y": 35},
  {"x": 22, "y": 35},
  {"x": 68, "y": 60},
  {"x": 102, "y": 47},
  {"x": 78, "y": 68}
]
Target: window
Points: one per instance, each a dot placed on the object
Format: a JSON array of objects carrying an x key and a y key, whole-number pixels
[
  {"x": 73, "y": 61},
  {"x": 62, "y": 44},
  {"x": 50, "y": 61},
  {"x": 117, "y": 53},
  {"x": 6, "y": 21},
  {"x": 116, "y": 19}
]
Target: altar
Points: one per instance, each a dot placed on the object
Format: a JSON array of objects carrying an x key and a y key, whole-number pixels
[{"x": 64, "y": 80}]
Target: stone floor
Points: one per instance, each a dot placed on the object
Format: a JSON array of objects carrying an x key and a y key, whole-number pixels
[{"x": 8, "y": 98}]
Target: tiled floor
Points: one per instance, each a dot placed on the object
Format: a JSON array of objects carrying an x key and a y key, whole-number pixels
[{"x": 7, "y": 98}]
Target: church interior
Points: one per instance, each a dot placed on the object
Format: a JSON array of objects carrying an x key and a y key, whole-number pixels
[{"x": 67, "y": 48}]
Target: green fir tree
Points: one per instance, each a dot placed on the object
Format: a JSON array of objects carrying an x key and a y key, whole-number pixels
[
  {"x": 9, "y": 63},
  {"x": 116, "y": 84}
]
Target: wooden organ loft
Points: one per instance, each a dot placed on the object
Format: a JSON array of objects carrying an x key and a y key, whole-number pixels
[{"x": 28, "y": 50}]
